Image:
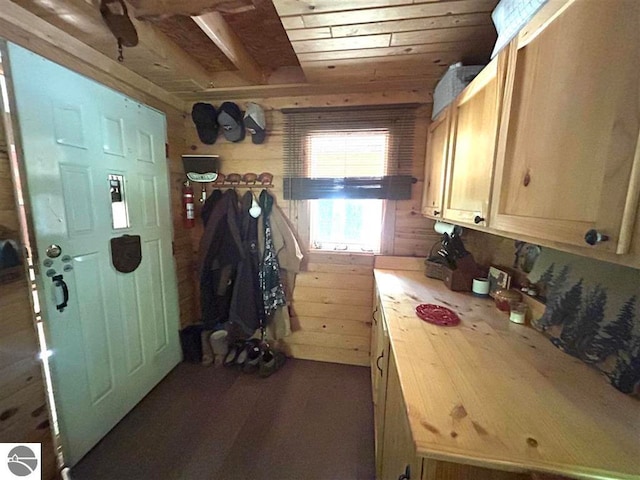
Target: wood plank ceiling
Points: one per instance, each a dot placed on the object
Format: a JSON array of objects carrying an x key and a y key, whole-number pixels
[
  {"x": 209, "y": 46},
  {"x": 369, "y": 40}
]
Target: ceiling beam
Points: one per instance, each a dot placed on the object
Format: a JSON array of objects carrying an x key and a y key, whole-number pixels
[
  {"x": 218, "y": 30},
  {"x": 158, "y": 9},
  {"x": 419, "y": 89}
]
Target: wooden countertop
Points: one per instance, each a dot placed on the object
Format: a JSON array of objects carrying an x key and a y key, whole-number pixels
[{"x": 496, "y": 394}]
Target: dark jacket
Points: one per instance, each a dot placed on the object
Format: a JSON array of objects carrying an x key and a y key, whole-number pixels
[
  {"x": 220, "y": 253},
  {"x": 246, "y": 309}
]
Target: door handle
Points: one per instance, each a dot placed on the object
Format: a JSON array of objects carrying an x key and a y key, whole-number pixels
[
  {"x": 60, "y": 283},
  {"x": 380, "y": 357}
]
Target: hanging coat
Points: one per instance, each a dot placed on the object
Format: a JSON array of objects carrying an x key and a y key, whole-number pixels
[
  {"x": 246, "y": 310},
  {"x": 273, "y": 295},
  {"x": 219, "y": 255}
]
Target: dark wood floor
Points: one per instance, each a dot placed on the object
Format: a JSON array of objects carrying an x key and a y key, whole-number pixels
[{"x": 308, "y": 421}]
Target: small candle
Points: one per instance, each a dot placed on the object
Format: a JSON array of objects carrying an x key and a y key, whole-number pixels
[
  {"x": 517, "y": 317},
  {"x": 518, "y": 312}
]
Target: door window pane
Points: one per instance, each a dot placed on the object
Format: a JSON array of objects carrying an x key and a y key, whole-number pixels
[{"x": 119, "y": 211}]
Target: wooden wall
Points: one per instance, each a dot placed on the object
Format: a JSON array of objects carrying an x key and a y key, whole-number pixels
[
  {"x": 333, "y": 297},
  {"x": 181, "y": 238},
  {"x": 24, "y": 416}
]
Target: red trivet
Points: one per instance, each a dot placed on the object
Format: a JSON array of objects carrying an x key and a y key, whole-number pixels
[{"x": 437, "y": 315}]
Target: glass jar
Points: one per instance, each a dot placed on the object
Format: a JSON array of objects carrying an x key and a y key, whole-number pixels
[{"x": 504, "y": 297}]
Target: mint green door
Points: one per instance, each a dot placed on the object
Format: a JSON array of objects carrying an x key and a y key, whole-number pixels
[{"x": 96, "y": 169}]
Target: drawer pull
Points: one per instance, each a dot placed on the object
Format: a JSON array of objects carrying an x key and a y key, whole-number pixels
[
  {"x": 373, "y": 316},
  {"x": 436, "y": 213},
  {"x": 380, "y": 357},
  {"x": 406, "y": 475},
  {"x": 478, "y": 219}
]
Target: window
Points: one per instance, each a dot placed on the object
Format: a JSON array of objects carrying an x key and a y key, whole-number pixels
[
  {"x": 344, "y": 165},
  {"x": 346, "y": 224}
]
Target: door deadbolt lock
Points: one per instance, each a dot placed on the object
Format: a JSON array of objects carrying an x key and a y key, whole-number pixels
[{"x": 53, "y": 251}]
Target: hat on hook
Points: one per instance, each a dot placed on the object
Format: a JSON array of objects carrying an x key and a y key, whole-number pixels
[
  {"x": 204, "y": 117},
  {"x": 255, "y": 122},
  {"x": 230, "y": 119}
]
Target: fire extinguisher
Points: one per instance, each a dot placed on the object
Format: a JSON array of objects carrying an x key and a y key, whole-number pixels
[{"x": 188, "y": 206}]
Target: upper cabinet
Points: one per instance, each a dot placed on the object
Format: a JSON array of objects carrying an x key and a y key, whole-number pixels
[
  {"x": 568, "y": 159},
  {"x": 434, "y": 171},
  {"x": 474, "y": 128}
]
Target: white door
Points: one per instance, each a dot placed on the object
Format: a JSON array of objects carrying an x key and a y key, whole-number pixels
[{"x": 118, "y": 335}]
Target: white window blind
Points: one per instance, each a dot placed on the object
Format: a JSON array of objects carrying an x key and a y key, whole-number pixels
[{"x": 358, "y": 153}]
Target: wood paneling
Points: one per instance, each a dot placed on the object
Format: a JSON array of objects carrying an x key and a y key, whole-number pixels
[
  {"x": 354, "y": 15},
  {"x": 409, "y": 25},
  {"x": 484, "y": 34},
  {"x": 382, "y": 37}
]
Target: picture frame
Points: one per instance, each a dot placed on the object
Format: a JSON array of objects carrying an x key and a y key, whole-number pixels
[{"x": 498, "y": 279}]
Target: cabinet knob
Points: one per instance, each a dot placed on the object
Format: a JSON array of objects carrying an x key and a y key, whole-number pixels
[
  {"x": 436, "y": 213},
  {"x": 593, "y": 236},
  {"x": 478, "y": 219}
]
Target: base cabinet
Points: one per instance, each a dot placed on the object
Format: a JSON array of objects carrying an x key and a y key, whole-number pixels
[
  {"x": 396, "y": 457},
  {"x": 399, "y": 461},
  {"x": 437, "y": 470},
  {"x": 379, "y": 373}
]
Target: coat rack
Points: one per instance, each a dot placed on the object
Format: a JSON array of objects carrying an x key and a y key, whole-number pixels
[{"x": 248, "y": 180}]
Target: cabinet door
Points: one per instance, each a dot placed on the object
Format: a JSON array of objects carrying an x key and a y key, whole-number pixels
[
  {"x": 474, "y": 128},
  {"x": 399, "y": 452},
  {"x": 438, "y": 470},
  {"x": 568, "y": 159},
  {"x": 435, "y": 164},
  {"x": 376, "y": 328},
  {"x": 379, "y": 371}
]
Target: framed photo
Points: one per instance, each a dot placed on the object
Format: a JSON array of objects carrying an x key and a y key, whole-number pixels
[{"x": 498, "y": 279}]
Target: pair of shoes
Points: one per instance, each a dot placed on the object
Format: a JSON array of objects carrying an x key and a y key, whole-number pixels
[
  {"x": 218, "y": 341},
  {"x": 219, "y": 346},
  {"x": 248, "y": 358},
  {"x": 270, "y": 362},
  {"x": 231, "y": 358},
  {"x": 252, "y": 361},
  {"x": 207, "y": 353},
  {"x": 243, "y": 354}
]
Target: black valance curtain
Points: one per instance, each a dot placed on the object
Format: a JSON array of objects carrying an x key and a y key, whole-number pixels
[{"x": 347, "y": 175}]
